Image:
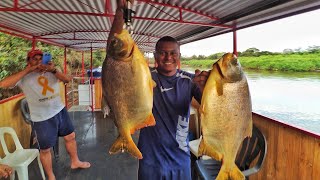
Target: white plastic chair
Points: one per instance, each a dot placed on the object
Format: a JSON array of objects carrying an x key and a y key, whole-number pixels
[{"x": 20, "y": 159}]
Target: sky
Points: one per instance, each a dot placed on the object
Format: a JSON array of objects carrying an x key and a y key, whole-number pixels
[{"x": 299, "y": 31}]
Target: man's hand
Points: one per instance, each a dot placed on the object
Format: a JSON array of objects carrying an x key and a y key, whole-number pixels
[
  {"x": 201, "y": 78},
  {"x": 5, "y": 171},
  {"x": 47, "y": 67},
  {"x": 123, "y": 3},
  {"x": 30, "y": 68}
]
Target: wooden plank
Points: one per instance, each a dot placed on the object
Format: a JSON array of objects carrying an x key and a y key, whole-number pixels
[
  {"x": 11, "y": 116},
  {"x": 98, "y": 93},
  {"x": 316, "y": 160},
  {"x": 305, "y": 159},
  {"x": 289, "y": 150}
]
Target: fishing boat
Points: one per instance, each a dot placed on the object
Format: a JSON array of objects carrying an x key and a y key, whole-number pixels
[{"x": 293, "y": 153}]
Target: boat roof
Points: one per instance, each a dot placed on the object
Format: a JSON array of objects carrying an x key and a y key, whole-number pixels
[{"x": 85, "y": 24}]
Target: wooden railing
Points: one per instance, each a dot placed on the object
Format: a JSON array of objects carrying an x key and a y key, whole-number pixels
[{"x": 292, "y": 153}]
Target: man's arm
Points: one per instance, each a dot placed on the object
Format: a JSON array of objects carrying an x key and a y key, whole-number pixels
[
  {"x": 12, "y": 80},
  {"x": 118, "y": 20}
]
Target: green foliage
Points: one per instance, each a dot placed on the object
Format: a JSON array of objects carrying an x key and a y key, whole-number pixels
[{"x": 13, "y": 53}]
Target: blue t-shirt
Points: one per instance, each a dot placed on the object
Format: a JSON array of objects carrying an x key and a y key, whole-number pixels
[{"x": 165, "y": 146}]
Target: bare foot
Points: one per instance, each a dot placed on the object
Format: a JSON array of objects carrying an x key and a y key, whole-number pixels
[{"x": 81, "y": 165}]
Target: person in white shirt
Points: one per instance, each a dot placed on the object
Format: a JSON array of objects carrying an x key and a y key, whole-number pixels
[{"x": 40, "y": 84}]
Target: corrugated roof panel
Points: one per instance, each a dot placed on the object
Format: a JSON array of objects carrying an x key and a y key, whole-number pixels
[{"x": 89, "y": 20}]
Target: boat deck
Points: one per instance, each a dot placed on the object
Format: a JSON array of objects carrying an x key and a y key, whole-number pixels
[{"x": 94, "y": 136}]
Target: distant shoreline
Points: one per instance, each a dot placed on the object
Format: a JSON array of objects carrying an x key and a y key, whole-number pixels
[{"x": 282, "y": 62}]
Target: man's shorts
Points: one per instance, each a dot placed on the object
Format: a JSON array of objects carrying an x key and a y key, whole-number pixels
[{"x": 48, "y": 131}]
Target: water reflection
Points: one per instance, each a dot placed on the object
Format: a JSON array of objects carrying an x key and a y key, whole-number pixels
[{"x": 290, "y": 97}]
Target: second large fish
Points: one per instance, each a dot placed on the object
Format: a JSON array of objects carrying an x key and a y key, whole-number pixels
[
  {"x": 127, "y": 90},
  {"x": 226, "y": 115}
]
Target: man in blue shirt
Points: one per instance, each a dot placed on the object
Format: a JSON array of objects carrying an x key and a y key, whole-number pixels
[{"x": 165, "y": 146}]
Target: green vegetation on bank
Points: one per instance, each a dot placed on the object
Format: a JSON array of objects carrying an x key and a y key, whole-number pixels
[{"x": 296, "y": 61}]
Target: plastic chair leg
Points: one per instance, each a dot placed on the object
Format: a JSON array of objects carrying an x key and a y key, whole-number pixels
[
  {"x": 13, "y": 175},
  {"x": 22, "y": 173},
  {"x": 41, "y": 168}
]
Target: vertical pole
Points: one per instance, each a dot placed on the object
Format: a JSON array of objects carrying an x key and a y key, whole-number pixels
[
  {"x": 91, "y": 79},
  {"x": 65, "y": 72},
  {"x": 33, "y": 43},
  {"x": 235, "y": 42},
  {"x": 82, "y": 67}
]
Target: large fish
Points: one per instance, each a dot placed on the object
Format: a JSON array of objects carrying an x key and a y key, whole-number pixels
[
  {"x": 127, "y": 91},
  {"x": 226, "y": 117}
]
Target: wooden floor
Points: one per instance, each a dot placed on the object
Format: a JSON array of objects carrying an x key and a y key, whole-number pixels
[{"x": 94, "y": 136}]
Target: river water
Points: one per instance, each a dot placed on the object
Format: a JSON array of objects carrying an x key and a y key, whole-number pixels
[{"x": 289, "y": 97}]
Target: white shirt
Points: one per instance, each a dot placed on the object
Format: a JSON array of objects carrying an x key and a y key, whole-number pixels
[{"x": 42, "y": 92}]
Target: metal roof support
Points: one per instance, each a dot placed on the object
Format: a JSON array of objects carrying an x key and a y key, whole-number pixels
[
  {"x": 235, "y": 42},
  {"x": 82, "y": 62},
  {"x": 65, "y": 72},
  {"x": 33, "y": 43},
  {"x": 91, "y": 79}
]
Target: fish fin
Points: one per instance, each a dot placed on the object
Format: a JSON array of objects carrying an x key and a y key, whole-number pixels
[
  {"x": 249, "y": 130},
  {"x": 105, "y": 109},
  {"x": 205, "y": 149},
  {"x": 236, "y": 173},
  {"x": 122, "y": 144},
  {"x": 150, "y": 121},
  {"x": 219, "y": 87},
  {"x": 201, "y": 109},
  {"x": 233, "y": 173},
  {"x": 154, "y": 84}
]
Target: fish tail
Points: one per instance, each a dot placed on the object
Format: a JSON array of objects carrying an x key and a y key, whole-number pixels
[
  {"x": 125, "y": 144},
  {"x": 204, "y": 149},
  {"x": 150, "y": 121},
  {"x": 233, "y": 174},
  {"x": 236, "y": 173}
]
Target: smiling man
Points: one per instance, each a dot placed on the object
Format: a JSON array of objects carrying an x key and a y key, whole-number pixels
[{"x": 165, "y": 146}]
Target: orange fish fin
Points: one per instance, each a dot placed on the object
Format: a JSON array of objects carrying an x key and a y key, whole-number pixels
[
  {"x": 234, "y": 173},
  {"x": 122, "y": 144},
  {"x": 201, "y": 109},
  {"x": 150, "y": 121},
  {"x": 152, "y": 84},
  {"x": 219, "y": 87},
  {"x": 205, "y": 149}
]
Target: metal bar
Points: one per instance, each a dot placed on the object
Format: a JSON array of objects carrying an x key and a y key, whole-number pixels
[
  {"x": 55, "y": 12},
  {"x": 15, "y": 4},
  {"x": 65, "y": 72},
  {"x": 15, "y": 34},
  {"x": 184, "y": 9},
  {"x": 235, "y": 42},
  {"x": 82, "y": 62},
  {"x": 91, "y": 80},
  {"x": 33, "y": 43},
  {"x": 30, "y": 3},
  {"x": 183, "y": 22},
  {"x": 81, "y": 31}
]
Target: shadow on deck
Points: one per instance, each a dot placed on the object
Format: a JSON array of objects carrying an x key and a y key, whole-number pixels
[{"x": 94, "y": 136}]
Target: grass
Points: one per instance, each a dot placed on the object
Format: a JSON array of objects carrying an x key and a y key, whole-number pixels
[{"x": 283, "y": 62}]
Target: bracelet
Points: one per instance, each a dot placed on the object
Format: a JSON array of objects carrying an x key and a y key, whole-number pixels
[{"x": 54, "y": 71}]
